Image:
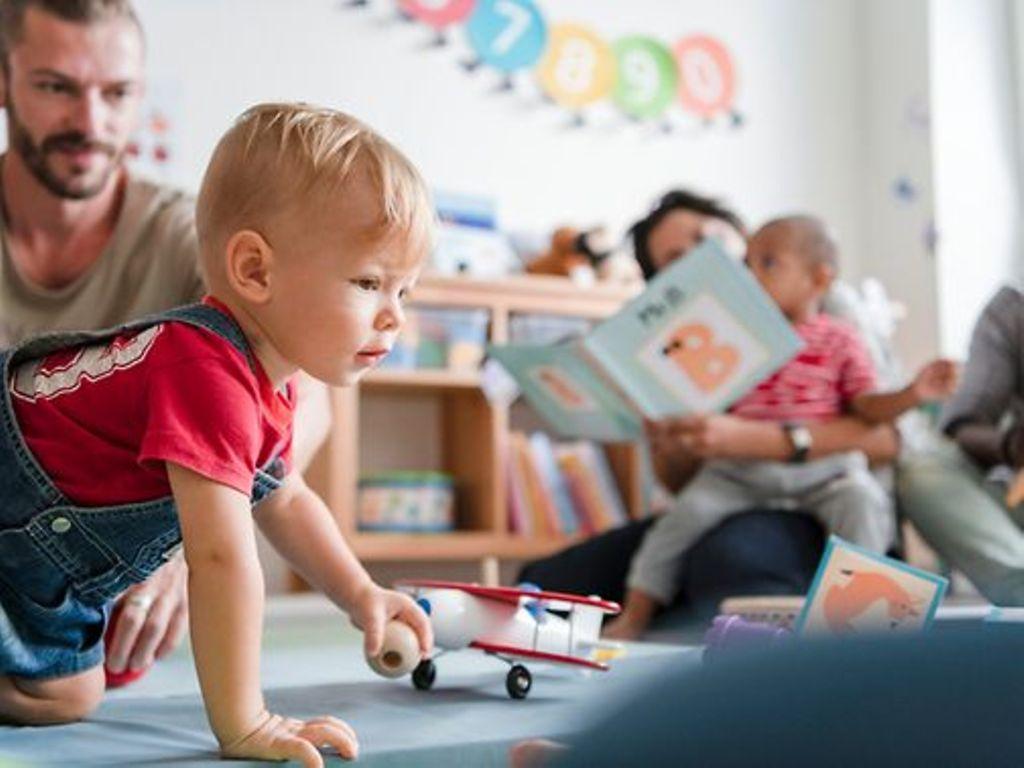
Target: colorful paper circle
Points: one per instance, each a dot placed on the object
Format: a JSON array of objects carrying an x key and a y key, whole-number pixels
[
  {"x": 646, "y": 76},
  {"x": 437, "y": 13},
  {"x": 507, "y": 34},
  {"x": 578, "y": 67},
  {"x": 707, "y": 82}
]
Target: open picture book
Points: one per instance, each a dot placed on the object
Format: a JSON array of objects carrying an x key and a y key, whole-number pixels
[{"x": 700, "y": 336}]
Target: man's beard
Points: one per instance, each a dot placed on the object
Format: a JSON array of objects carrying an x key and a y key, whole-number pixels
[{"x": 35, "y": 155}]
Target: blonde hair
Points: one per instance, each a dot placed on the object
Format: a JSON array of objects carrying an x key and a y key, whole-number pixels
[{"x": 277, "y": 157}]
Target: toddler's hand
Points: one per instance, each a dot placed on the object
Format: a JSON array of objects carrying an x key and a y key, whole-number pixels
[
  {"x": 373, "y": 607},
  {"x": 284, "y": 738},
  {"x": 936, "y": 381}
]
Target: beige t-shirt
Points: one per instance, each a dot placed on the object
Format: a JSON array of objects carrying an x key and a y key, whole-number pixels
[{"x": 150, "y": 264}]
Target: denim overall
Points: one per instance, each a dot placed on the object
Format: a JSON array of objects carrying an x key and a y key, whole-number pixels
[{"x": 61, "y": 565}]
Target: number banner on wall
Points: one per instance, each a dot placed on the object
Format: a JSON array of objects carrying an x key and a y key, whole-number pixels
[
  {"x": 640, "y": 76},
  {"x": 507, "y": 35}
]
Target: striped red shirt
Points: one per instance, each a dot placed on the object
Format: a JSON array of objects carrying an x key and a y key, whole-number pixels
[{"x": 818, "y": 384}]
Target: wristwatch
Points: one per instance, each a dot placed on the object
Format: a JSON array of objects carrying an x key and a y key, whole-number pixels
[{"x": 800, "y": 439}]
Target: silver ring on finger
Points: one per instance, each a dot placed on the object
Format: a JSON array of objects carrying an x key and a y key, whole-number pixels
[{"x": 142, "y": 602}]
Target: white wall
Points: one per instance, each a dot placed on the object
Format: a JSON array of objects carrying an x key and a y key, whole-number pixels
[
  {"x": 976, "y": 159},
  {"x": 835, "y": 93},
  {"x": 797, "y": 61},
  {"x": 895, "y": 130}
]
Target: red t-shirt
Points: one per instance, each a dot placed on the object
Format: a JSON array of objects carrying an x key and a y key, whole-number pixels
[
  {"x": 818, "y": 384},
  {"x": 103, "y": 420}
]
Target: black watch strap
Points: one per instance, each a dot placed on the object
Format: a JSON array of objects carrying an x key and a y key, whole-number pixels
[{"x": 799, "y": 439}]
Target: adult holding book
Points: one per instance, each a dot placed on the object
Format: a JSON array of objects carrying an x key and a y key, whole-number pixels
[{"x": 759, "y": 552}]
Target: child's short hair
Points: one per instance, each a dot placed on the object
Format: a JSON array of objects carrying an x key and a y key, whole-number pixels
[
  {"x": 811, "y": 238},
  {"x": 294, "y": 156}
]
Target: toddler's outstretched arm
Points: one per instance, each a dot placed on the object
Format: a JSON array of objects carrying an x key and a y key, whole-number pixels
[
  {"x": 225, "y": 586},
  {"x": 934, "y": 382},
  {"x": 302, "y": 529}
]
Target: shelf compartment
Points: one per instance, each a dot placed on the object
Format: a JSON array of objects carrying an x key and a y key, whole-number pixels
[
  {"x": 423, "y": 378},
  {"x": 458, "y": 546}
]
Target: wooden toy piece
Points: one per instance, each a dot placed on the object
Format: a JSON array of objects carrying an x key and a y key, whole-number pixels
[
  {"x": 1015, "y": 494},
  {"x": 400, "y": 653}
]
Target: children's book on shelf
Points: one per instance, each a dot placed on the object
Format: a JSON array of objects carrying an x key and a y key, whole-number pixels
[
  {"x": 560, "y": 489},
  {"x": 699, "y": 337}
]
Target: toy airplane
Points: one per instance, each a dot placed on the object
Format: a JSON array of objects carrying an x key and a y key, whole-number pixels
[{"x": 514, "y": 625}]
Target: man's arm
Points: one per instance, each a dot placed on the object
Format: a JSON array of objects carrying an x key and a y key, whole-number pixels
[
  {"x": 990, "y": 382},
  {"x": 987, "y": 445},
  {"x": 303, "y": 531}
]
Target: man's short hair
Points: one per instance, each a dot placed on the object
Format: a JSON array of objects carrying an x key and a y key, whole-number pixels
[
  {"x": 12, "y": 16},
  {"x": 293, "y": 158}
]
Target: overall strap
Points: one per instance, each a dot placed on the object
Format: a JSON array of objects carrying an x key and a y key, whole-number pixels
[{"x": 196, "y": 315}]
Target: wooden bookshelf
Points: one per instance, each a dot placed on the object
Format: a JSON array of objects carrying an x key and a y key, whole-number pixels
[{"x": 473, "y": 432}]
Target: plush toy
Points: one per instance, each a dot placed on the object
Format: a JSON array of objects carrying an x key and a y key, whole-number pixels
[{"x": 585, "y": 257}]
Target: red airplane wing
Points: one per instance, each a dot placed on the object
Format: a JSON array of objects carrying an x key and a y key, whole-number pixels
[
  {"x": 513, "y": 595},
  {"x": 527, "y": 653}
]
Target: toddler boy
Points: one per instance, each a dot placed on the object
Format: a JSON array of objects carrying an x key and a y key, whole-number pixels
[{"x": 117, "y": 448}]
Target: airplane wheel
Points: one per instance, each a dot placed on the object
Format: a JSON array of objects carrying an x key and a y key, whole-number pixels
[
  {"x": 518, "y": 681},
  {"x": 424, "y": 675}
]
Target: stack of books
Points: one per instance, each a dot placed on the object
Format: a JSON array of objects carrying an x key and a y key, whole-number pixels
[{"x": 560, "y": 489}]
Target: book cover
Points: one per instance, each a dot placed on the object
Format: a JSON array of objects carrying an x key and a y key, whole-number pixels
[
  {"x": 605, "y": 485},
  {"x": 545, "y": 518},
  {"x": 554, "y": 483},
  {"x": 700, "y": 336},
  {"x": 518, "y": 515},
  {"x": 559, "y": 382},
  {"x": 856, "y": 591},
  {"x": 572, "y": 470}
]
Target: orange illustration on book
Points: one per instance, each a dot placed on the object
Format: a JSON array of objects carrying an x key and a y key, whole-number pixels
[
  {"x": 560, "y": 389},
  {"x": 709, "y": 365},
  {"x": 845, "y": 602}
]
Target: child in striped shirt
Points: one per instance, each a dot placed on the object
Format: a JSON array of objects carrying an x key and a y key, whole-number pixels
[{"x": 795, "y": 261}]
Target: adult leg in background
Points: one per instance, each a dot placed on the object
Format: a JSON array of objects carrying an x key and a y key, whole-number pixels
[
  {"x": 962, "y": 515},
  {"x": 760, "y": 552}
]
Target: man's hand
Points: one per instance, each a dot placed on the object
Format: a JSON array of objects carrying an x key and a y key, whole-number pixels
[
  {"x": 373, "y": 607},
  {"x": 284, "y": 738},
  {"x": 1013, "y": 447},
  {"x": 153, "y": 619},
  {"x": 936, "y": 381}
]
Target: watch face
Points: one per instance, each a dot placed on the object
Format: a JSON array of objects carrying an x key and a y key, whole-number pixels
[{"x": 801, "y": 437}]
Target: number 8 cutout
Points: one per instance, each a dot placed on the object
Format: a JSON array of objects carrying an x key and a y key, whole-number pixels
[{"x": 578, "y": 68}]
